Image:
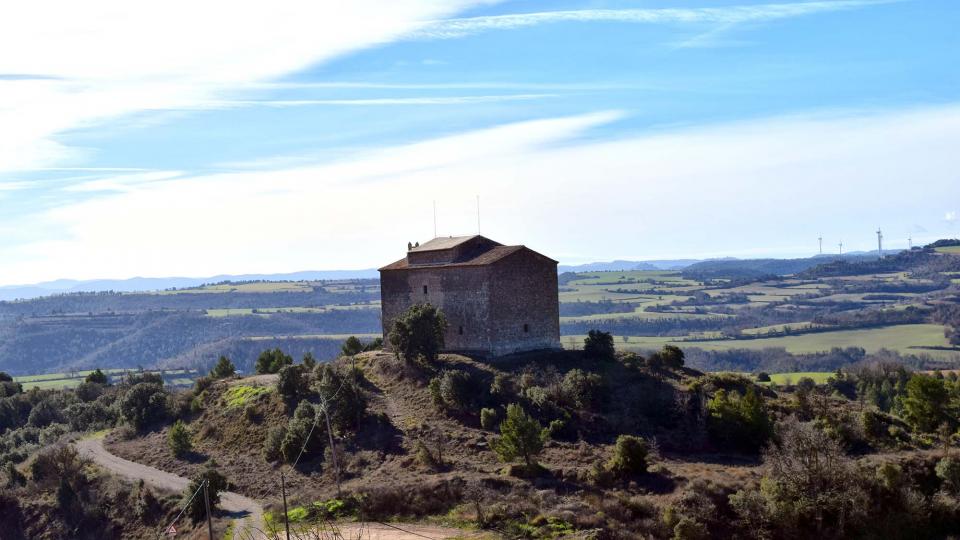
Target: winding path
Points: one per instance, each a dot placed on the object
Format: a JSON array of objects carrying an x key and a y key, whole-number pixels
[{"x": 246, "y": 512}]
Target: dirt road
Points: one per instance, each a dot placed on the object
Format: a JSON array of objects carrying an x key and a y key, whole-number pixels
[{"x": 246, "y": 512}]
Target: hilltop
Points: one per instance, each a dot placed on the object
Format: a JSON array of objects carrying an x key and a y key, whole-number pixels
[{"x": 553, "y": 444}]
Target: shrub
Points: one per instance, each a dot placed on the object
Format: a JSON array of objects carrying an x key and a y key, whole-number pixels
[
  {"x": 926, "y": 404},
  {"x": 689, "y": 529},
  {"x": 455, "y": 390},
  {"x": 629, "y": 456},
  {"x": 670, "y": 357},
  {"x": 739, "y": 422},
  {"x": 216, "y": 483},
  {"x": 502, "y": 386},
  {"x": 97, "y": 377},
  {"x": 873, "y": 424},
  {"x": 418, "y": 333},
  {"x": 292, "y": 385},
  {"x": 88, "y": 391},
  {"x": 178, "y": 439},
  {"x": 141, "y": 377},
  {"x": 763, "y": 376},
  {"x": 223, "y": 369},
  {"x": 889, "y": 476},
  {"x": 270, "y": 361},
  {"x": 806, "y": 385},
  {"x": 271, "y": 445},
  {"x": 488, "y": 418},
  {"x": 948, "y": 470},
  {"x": 44, "y": 414},
  {"x": 15, "y": 478},
  {"x": 598, "y": 345},
  {"x": 143, "y": 404},
  {"x": 146, "y": 507},
  {"x": 309, "y": 362},
  {"x": 520, "y": 436},
  {"x": 424, "y": 457},
  {"x": 812, "y": 489},
  {"x": 10, "y": 388},
  {"x": 582, "y": 389},
  {"x": 351, "y": 347},
  {"x": 305, "y": 432},
  {"x": 201, "y": 384},
  {"x": 344, "y": 397}
]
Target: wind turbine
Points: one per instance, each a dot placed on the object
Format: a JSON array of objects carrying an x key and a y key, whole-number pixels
[
  {"x": 841, "y": 249},
  {"x": 820, "y": 241},
  {"x": 879, "y": 242},
  {"x": 910, "y": 241}
]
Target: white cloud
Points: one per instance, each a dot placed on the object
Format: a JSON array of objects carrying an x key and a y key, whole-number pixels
[
  {"x": 69, "y": 65},
  {"x": 374, "y": 102},
  {"x": 122, "y": 182},
  {"x": 950, "y": 217},
  {"x": 698, "y": 192},
  {"x": 727, "y": 15}
]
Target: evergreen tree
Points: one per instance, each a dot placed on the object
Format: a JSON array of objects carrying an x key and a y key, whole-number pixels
[
  {"x": 223, "y": 369},
  {"x": 521, "y": 436}
]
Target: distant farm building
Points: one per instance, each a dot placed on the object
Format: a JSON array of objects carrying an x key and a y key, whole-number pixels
[{"x": 497, "y": 299}]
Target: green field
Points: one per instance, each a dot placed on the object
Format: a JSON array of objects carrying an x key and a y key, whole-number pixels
[
  {"x": 173, "y": 377},
  {"x": 906, "y": 339},
  {"x": 818, "y": 377},
  {"x": 265, "y": 312},
  {"x": 953, "y": 250},
  {"x": 338, "y": 337}
]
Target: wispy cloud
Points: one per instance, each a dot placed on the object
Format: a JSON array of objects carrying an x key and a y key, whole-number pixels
[
  {"x": 455, "y": 28},
  {"x": 74, "y": 75},
  {"x": 15, "y": 186},
  {"x": 372, "y": 102},
  {"x": 470, "y": 85},
  {"x": 122, "y": 182},
  {"x": 532, "y": 177}
]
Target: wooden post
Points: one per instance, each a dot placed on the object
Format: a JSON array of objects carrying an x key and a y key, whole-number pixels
[
  {"x": 283, "y": 491},
  {"x": 333, "y": 450},
  {"x": 206, "y": 501}
]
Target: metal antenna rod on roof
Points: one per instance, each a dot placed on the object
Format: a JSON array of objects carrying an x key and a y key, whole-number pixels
[{"x": 434, "y": 218}]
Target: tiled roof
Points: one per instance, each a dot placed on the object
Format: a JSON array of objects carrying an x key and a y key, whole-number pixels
[
  {"x": 483, "y": 258},
  {"x": 442, "y": 242}
]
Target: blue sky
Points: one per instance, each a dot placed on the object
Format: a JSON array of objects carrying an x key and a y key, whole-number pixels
[{"x": 172, "y": 140}]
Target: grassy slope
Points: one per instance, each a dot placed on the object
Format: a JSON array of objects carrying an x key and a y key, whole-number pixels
[{"x": 382, "y": 458}]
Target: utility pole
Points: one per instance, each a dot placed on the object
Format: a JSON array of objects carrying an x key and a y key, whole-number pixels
[
  {"x": 206, "y": 501},
  {"x": 333, "y": 449},
  {"x": 283, "y": 491}
]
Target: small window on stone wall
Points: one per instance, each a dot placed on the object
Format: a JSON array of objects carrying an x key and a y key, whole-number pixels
[
  {"x": 461, "y": 330},
  {"x": 526, "y": 327},
  {"x": 424, "y": 289}
]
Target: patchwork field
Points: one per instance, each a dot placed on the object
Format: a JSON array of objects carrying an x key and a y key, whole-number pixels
[
  {"x": 906, "y": 339},
  {"x": 172, "y": 377}
]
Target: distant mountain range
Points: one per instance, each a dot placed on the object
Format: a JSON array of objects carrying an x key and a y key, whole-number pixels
[
  {"x": 61, "y": 286},
  {"x": 619, "y": 265}
]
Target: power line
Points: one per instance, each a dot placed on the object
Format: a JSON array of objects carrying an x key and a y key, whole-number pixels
[
  {"x": 190, "y": 500},
  {"x": 404, "y": 530}
]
